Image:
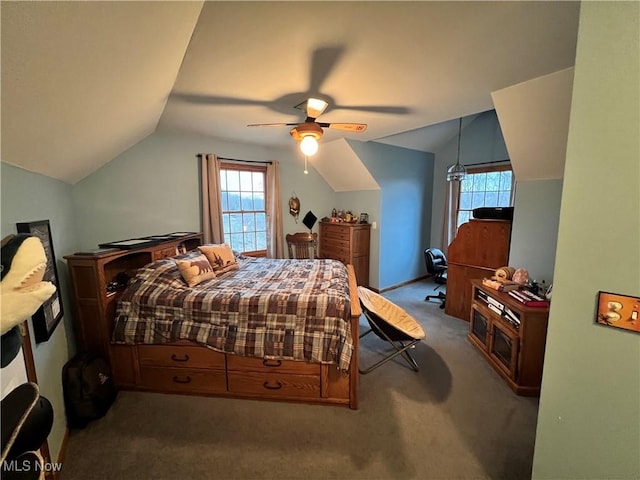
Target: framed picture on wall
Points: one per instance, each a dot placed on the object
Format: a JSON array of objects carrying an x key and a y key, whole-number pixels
[{"x": 47, "y": 317}]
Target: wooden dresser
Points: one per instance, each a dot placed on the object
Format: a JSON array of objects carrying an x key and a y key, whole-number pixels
[
  {"x": 480, "y": 247},
  {"x": 349, "y": 243}
]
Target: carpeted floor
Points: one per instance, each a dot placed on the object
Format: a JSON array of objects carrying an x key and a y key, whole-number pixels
[{"x": 455, "y": 419}]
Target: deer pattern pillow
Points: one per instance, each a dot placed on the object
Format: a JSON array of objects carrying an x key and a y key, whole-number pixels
[
  {"x": 195, "y": 270},
  {"x": 220, "y": 257}
]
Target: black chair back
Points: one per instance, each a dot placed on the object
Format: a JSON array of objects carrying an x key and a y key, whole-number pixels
[{"x": 436, "y": 261}]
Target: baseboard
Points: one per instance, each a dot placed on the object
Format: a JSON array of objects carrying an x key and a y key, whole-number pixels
[
  {"x": 62, "y": 453},
  {"x": 393, "y": 287}
]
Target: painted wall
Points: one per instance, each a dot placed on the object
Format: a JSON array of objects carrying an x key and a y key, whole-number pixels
[
  {"x": 26, "y": 197},
  {"x": 481, "y": 141},
  {"x": 589, "y": 420},
  {"x": 154, "y": 188},
  {"x": 535, "y": 228},
  {"x": 405, "y": 178}
]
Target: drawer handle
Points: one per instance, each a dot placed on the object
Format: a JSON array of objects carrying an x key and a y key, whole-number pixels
[
  {"x": 176, "y": 359},
  {"x": 271, "y": 363},
  {"x": 277, "y": 386},
  {"x": 177, "y": 379}
]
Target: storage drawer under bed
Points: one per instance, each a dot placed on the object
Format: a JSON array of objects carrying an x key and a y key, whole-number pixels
[
  {"x": 180, "y": 356},
  {"x": 183, "y": 380},
  {"x": 252, "y": 364},
  {"x": 274, "y": 384}
]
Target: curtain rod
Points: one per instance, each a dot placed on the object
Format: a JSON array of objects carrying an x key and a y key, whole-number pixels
[
  {"x": 487, "y": 163},
  {"x": 238, "y": 160}
]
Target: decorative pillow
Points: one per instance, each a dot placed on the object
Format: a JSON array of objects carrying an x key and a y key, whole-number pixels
[
  {"x": 220, "y": 257},
  {"x": 195, "y": 270}
]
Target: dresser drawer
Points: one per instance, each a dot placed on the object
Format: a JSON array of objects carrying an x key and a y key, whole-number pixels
[
  {"x": 252, "y": 364},
  {"x": 338, "y": 233},
  {"x": 180, "y": 356},
  {"x": 274, "y": 384},
  {"x": 335, "y": 250},
  {"x": 334, "y": 243},
  {"x": 340, "y": 256},
  {"x": 184, "y": 380}
]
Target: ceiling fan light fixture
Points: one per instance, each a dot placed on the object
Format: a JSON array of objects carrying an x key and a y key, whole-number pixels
[
  {"x": 309, "y": 145},
  {"x": 307, "y": 134},
  {"x": 306, "y": 129},
  {"x": 457, "y": 172}
]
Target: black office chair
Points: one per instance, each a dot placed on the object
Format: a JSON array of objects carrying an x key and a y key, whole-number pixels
[{"x": 437, "y": 267}]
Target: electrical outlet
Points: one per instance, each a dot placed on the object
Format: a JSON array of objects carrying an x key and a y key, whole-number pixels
[{"x": 374, "y": 225}]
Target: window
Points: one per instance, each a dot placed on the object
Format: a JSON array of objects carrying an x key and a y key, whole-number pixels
[
  {"x": 484, "y": 187},
  {"x": 244, "y": 213}
]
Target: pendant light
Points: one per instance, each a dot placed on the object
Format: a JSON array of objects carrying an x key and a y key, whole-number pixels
[{"x": 457, "y": 172}]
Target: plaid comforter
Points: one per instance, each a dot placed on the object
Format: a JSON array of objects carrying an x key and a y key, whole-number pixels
[{"x": 284, "y": 309}]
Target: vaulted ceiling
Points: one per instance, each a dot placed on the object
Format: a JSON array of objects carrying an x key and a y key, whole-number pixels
[{"x": 84, "y": 81}]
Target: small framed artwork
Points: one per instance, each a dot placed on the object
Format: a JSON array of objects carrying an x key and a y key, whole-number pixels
[
  {"x": 47, "y": 317},
  {"x": 619, "y": 311}
]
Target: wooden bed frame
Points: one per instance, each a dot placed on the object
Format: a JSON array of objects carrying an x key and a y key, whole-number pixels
[{"x": 185, "y": 367}]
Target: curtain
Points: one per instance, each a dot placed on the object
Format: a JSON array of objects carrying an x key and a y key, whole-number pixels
[
  {"x": 275, "y": 237},
  {"x": 450, "y": 223},
  {"x": 211, "y": 214}
]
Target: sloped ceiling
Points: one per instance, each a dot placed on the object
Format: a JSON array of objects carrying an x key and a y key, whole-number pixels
[
  {"x": 534, "y": 117},
  {"x": 84, "y": 81},
  {"x": 342, "y": 169}
]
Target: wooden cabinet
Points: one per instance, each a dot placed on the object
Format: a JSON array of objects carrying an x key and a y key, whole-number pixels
[
  {"x": 349, "y": 243},
  {"x": 510, "y": 335},
  {"x": 480, "y": 247}
]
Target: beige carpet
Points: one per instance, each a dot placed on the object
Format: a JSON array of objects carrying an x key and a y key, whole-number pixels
[{"x": 455, "y": 419}]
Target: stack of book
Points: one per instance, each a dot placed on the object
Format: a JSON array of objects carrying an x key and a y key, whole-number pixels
[
  {"x": 512, "y": 317},
  {"x": 493, "y": 304},
  {"x": 528, "y": 298}
]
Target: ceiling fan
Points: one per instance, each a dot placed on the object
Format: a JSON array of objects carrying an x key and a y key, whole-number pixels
[
  {"x": 309, "y": 131},
  {"x": 323, "y": 60}
]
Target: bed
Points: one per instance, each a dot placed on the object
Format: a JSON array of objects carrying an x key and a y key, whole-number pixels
[{"x": 271, "y": 329}]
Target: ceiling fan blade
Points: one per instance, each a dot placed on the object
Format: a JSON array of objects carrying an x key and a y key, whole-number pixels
[
  {"x": 350, "y": 127},
  {"x": 374, "y": 109},
  {"x": 216, "y": 100},
  {"x": 273, "y": 124},
  {"x": 322, "y": 62}
]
